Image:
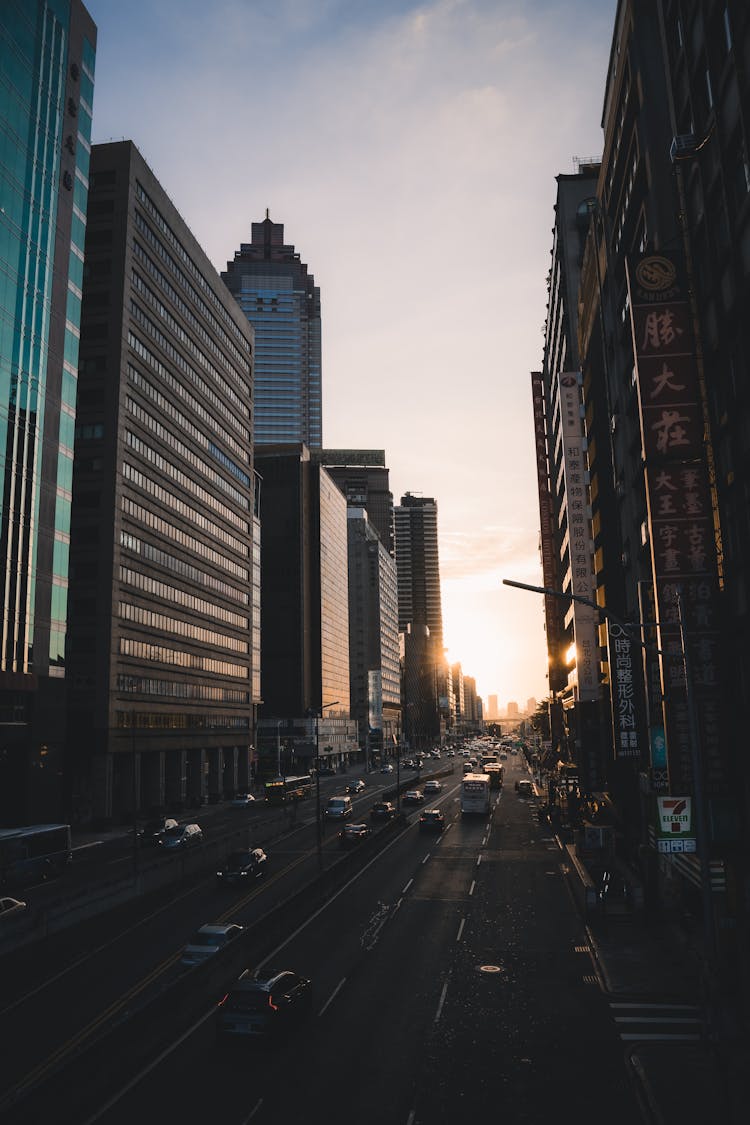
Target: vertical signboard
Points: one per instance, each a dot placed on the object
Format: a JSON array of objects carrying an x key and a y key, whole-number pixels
[
  {"x": 683, "y": 552},
  {"x": 625, "y": 685},
  {"x": 585, "y": 619},
  {"x": 547, "y": 533}
]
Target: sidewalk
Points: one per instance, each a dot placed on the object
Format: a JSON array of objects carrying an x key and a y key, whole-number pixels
[{"x": 682, "y": 1083}]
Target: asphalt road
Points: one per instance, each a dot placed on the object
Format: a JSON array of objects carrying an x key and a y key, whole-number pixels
[{"x": 451, "y": 978}]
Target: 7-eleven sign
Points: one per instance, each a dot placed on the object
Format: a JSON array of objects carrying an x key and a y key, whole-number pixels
[{"x": 675, "y": 816}]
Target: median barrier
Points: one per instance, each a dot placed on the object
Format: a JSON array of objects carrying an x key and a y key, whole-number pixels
[{"x": 582, "y": 885}]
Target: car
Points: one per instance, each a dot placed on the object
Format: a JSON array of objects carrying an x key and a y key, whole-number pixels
[
  {"x": 383, "y": 810},
  {"x": 355, "y": 787},
  {"x": 12, "y": 907},
  {"x": 466, "y": 753},
  {"x": 524, "y": 788},
  {"x": 152, "y": 833},
  {"x": 432, "y": 786},
  {"x": 263, "y": 1005},
  {"x": 339, "y": 808},
  {"x": 242, "y": 866},
  {"x": 241, "y": 800},
  {"x": 450, "y": 753},
  {"x": 183, "y": 836},
  {"x": 435, "y": 753},
  {"x": 408, "y": 764},
  {"x": 418, "y": 763},
  {"x": 387, "y": 768},
  {"x": 431, "y": 820},
  {"x": 413, "y": 797},
  {"x": 352, "y": 834},
  {"x": 208, "y": 940},
  {"x": 503, "y": 756}
]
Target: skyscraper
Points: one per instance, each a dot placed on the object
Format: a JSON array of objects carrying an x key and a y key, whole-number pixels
[
  {"x": 419, "y": 600},
  {"x": 362, "y": 475},
  {"x": 47, "y": 91},
  {"x": 163, "y": 617},
  {"x": 280, "y": 299}
]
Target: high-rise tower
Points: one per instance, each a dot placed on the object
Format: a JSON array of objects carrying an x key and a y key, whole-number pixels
[
  {"x": 47, "y": 93},
  {"x": 419, "y": 601},
  {"x": 280, "y": 299}
]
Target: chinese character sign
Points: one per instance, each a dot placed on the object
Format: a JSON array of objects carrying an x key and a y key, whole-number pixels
[{"x": 625, "y": 677}]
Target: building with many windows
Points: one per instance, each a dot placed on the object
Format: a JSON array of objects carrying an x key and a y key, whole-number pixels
[
  {"x": 362, "y": 476},
  {"x": 164, "y": 636},
  {"x": 46, "y": 99},
  {"x": 281, "y": 300}
]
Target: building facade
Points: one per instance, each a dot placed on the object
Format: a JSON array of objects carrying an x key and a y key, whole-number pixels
[
  {"x": 374, "y": 671},
  {"x": 305, "y": 611},
  {"x": 47, "y": 92},
  {"x": 161, "y": 654},
  {"x": 282, "y": 302},
  {"x": 362, "y": 475}
]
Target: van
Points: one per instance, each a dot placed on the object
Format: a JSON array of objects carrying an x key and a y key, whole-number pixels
[
  {"x": 184, "y": 836},
  {"x": 339, "y": 808}
]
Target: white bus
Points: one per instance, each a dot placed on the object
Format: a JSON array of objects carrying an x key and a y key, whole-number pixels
[{"x": 475, "y": 793}]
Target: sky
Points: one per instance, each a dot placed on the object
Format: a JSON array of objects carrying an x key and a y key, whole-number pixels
[{"x": 410, "y": 150}]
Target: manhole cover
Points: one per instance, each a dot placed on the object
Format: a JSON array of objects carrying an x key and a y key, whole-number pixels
[{"x": 490, "y": 968}]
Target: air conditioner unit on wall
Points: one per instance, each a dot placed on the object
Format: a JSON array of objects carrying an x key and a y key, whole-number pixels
[{"x": 682, "y": 145}]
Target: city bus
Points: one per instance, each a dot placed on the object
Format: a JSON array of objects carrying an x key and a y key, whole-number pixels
[
  {"x": 282, "y": 789},
  {"x": 475, "y": 793},
  {"x": 495, "y": 771},
  {"x": 33, "y": 853}
]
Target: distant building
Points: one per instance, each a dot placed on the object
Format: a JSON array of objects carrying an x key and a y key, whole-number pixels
[
  {"x": 163, "y": 647},
  {"x": 512, "y": 712},
  {"x": 530, "y": 705},
  {"x": 362, "y": 475},
  {"x": 374, "y": 669},
  {"x": 279, "y": 297},
  {"x": 492, "y": 708},
  {"x": 305, "y": 610},
  {"x": 47, "y": 73}
]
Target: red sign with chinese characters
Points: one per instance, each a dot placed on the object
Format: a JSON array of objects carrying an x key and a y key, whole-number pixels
[{"x": 683, "y": 550}]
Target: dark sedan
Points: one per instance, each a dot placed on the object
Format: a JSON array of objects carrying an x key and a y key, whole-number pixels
[
  {"x": 431, "y": 820},
  {"x": 241, "y": 867},
  {"x": 413, "y": 797},
  {"x": 383, "y": 810},
  {"x": 353, "y": 834}
]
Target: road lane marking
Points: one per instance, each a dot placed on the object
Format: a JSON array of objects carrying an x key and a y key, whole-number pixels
[
  {"x": 660, "y": 1006},
  {"x": 442, "y": 1001},
  {"x": 253, "y": 1111},
  {"x": 406, "y": 888},
  {"x": 333, "y": 995},
  {"x": 460, "y": 929},
  {"x": 426, "y": 858},
  {"x": 471, "y": 888},
  {"x": 479, "y": 860}
]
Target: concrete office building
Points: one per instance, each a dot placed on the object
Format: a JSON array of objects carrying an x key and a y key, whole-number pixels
[
  {"x": 281, "y": 300},
  {"x": 362, "y": 475},
  {"x": 374, "y": 670},
  {"x": 305, "y": 612},
  {"x": 47, "y": 92},
  {"x": 163, "y": 650}
]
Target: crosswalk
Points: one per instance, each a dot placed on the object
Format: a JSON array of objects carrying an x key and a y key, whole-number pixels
[{"x": 657, "y": 1021}]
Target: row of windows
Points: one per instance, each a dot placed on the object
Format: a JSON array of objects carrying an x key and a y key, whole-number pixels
[
  {"x": 186, "y": 311},
  {"x": 202, "y": 720},
  {"x": 242, "y": 357},
  {"x": 181, "y": 390},
  {"x": 168, "y": 438},
  {"x": 177, "y": 330},
  {"x": 152, "y": 554},
  {"x": 179, "y": 360},
  {"x": 152, "y": 620},
  {"x": 141, "y": 350},
  {"x": 134, "y": 476},
  {"x": 186, "y": 482},
  {"x": 169, "y": 593},
  {"x": 178, "y": 658},
  {"x": 188, "y": 262},
  {"x": 143, "y": 685},
  {"x": 167, "y": 407}
]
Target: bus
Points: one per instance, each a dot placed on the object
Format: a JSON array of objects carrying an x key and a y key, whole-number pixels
[
  {"x": 495, "y": 771},
  {"x": 282, "y": 789},
  {"x": 475, "y": 793},
  {"x": 33, "y": 853}
]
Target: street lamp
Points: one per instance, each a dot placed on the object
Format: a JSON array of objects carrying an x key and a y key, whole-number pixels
[{"x": 318, "y": 819}]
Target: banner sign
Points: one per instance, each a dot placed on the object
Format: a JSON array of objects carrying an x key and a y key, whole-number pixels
[
  {"x": 683, "y": 548},
  {"x": 625, "y": 690},
  {"x": 547, "y": 534}
]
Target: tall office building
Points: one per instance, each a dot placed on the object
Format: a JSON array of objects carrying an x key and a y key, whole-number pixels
[
  {"x": 281, "y": 300},
  {"x": 362, "y": 475},
  {"x": 417, "y": 559},
  {"x": 428, "y": 693},
  {"x": 163, "y": 651},
  {"x": 46, "y": 91}
]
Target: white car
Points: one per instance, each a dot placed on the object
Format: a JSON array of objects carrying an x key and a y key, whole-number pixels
[
  {"x": 432, "y": 787},
  {"x": 387, "y": 768},
  {"x": 208, "y": 940}
]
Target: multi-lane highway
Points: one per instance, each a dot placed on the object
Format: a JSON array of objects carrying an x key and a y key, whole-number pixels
[{"x": 451, "y": 977}]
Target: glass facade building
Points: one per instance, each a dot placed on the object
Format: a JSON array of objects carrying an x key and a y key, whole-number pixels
[
  {"x": 46, "y": 101},
  {"x": 280, "y": 299}
]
